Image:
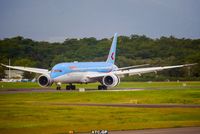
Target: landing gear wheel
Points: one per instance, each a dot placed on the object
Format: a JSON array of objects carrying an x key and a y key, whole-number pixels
[
  {"x": 73, "y": 87},
  {"x": 70, "y": 87},
  {"x": 58, "y": 88},
  {"x": 99, "y": 87},
  {"x": 67, "y": 87},
  {"x": 102, "y": 87}
]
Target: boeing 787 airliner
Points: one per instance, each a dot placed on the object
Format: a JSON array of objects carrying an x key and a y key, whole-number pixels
[{"x": 106, "y": 73}]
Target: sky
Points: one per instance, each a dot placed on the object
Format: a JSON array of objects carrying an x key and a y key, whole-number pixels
[{"x": 56, "y": 20}]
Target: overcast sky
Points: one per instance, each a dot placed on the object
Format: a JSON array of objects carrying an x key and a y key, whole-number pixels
[{"x": 56, "y": 20}]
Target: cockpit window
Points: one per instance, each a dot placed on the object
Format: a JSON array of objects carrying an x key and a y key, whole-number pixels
[{"x": 57, "y": 70}]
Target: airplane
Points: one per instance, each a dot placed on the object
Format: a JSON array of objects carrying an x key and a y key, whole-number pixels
[{"x": 106, "y": 73}]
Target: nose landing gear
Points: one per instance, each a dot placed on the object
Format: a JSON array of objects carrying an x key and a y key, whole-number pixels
[{"x": 58, "y": 86}]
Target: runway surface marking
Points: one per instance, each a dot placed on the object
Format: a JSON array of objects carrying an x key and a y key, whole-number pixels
[{"x": 187, "y": 130}]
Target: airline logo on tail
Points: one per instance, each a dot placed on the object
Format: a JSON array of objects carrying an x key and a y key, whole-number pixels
[{"x": 112, "y": 56}]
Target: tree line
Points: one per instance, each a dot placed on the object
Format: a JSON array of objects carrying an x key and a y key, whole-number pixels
[{"x": 131, "y": 50}]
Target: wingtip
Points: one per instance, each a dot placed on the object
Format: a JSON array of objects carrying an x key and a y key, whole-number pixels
[
  {"x": 2, "y": 64},
  {"x": 192, "y": 64}
]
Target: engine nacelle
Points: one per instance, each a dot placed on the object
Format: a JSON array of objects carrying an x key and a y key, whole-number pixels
[
  {"x": 45, "y": 80},
  {"x": 111, "y": 80}
]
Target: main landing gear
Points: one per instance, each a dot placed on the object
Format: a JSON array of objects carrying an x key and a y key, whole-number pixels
[
  {"x": 73, "y": 87},
  {"x": 70, "y": 87},
  {"x": 102, "y": 87}
]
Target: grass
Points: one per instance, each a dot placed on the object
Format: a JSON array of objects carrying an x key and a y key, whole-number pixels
[
  {"x": 8, "y": 85},
  {"x": 60, "y": 119},
  {"x": 34, "y": 113},
  {"x": 164, "y": 96}
]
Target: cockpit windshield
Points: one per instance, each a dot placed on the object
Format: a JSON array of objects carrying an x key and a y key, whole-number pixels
[{"x": 57, "y": 70}]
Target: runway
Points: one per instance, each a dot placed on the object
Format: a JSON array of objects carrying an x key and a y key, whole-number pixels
[
  {"x": 186, "y": 130},
  {"x": 40, "y": 90},
  {"x": 131, "y": 105}
]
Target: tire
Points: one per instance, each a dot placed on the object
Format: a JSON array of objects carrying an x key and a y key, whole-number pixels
[
  {"x": 68, "y": 88},
  {"x": 99, "y": 87},
  {"x": 104, "y": 87},
  {"x": 73, "y": 87},
  {"x": 58, "y": 88}
]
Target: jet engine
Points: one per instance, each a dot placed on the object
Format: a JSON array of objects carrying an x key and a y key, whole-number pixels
[
  {"x": 111, "y": 80},
  {"x": 45, "y": 80}
]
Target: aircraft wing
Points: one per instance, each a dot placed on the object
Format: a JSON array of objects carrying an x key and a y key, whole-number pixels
[
  {"x": 28, "y": 69},
  {"x": 137, "y": 71},
  {"x": 140, "y": 71},
  {"x": 136, "y": 66}
]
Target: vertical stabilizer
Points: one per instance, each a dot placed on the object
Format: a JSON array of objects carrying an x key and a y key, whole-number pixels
[{"x": 112, "y": 53}]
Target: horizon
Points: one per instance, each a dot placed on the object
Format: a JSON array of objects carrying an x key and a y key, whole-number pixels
[{"x": 98, "y": 39}]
